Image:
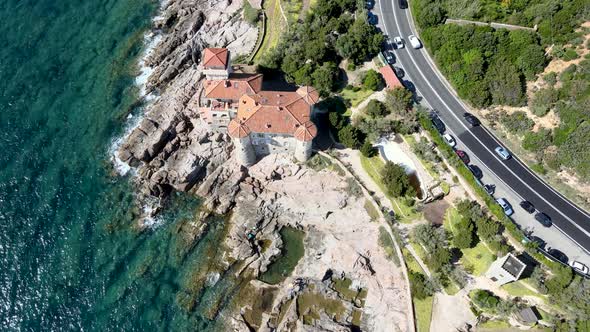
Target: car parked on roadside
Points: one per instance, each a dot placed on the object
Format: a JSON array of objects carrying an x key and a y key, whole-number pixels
[
  {"x": 580, "y": 267},
  {"x": 505, "y": 206},
  {"x": 438, "y": 124},
  {"x": 543, "y": 219},
  {"x": 490, "y": 188},
  {"x": 389, "y": 57},
  {"x": 369, "y": 4},
  {"x": 527, "y": 206},
  {"x": 398, "y": 42},
  {"x": 558, "y": 255},
  {"x": 503, "y": 153},
  {"x": 372, "y": 18},
  {"x": 463, "y": 156},
  {"x": 414, "y": 41},
  {"x": 471, "y": 119},
  {"x": 403, "y": 4},
  {"x": 450, "y": 140},
  {"x": 534, "y": 239},
  {"x": 476, "y": 171}
]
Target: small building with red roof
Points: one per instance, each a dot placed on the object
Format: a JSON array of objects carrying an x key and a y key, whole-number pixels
[{"x": 391, "y": 80}]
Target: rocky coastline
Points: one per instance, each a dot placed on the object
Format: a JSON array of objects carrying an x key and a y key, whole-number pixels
[{"x": 171, "y": 149}]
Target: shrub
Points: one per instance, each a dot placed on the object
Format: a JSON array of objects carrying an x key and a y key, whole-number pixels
[
  {"x": 251, "y": 14},
  {"x": 537, "y": 141},
  {"x": 375, "y": 109},
  {"x": 543, "y": 101},
  {"x": 396, "y": 180},
  {"x": 350, "y": 137},
  {"x": 550, "y": 78},
  {"x": 373, "y": 80},
  {"x": 517, "y": 123},
  {"x": 367, "y": 149},
  {"x": 463, "y": 233},
  {"x": 418, "y": 285},
  {"x": 485, "y": 300}
]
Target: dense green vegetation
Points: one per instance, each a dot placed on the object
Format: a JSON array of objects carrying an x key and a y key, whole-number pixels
[
  {"x": 396, "y": 181},
  {"x": 556, "y": 20},
  {"x": 488, "y": 66},
  {"x": 333, "y": 30}
]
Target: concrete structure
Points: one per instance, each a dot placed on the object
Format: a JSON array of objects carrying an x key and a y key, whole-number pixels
[
  {"x": 260, "y": 122},
  {"x": 505, "y": 269}
]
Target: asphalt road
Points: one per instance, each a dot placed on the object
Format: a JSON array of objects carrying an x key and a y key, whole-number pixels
[{"x": 430, "y": 85}]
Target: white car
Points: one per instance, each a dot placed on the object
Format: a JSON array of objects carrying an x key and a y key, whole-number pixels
[
  {"x": 503, "y": 153},
  {"x": 398, "y": 42},
  {"x": 450, "y": 140},
  {"x": 505, "y": 206},
  {"x": 580, "y": 267},
  {"x": 414, "y": 41}
]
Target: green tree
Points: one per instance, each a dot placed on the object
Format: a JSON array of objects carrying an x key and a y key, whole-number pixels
[
  {"x": 324, "y": 77},
  {"x": 360, "y": 42},
  {"x": 431, "y": 14},
  {"x": 543, "y": 101},
  {"x": 367, "y": 149},
  {"x": 373, "y": 80},
  {"x": 418, "y": 285},
  {"x": 399, "y": 100},
  {"x": 463, "y": 233},
  {"x": 375, "y": 109},
  {"x": 396, "y": 181},
  {"x": 505, "y": 84},
  {"x": 350, "y": 137}
]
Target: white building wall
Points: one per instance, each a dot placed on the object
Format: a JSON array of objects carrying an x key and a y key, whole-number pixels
[
  {"x": 302, "y": 150},
  {"x": 265, "y": 144}
]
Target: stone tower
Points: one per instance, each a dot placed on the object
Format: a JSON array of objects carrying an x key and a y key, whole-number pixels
[
  {"x": 240, "y": 135},
  {"x": 304, "y": 136}
]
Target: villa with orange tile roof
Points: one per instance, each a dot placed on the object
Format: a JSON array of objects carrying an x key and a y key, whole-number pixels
[{"x": 260, "y": 122}]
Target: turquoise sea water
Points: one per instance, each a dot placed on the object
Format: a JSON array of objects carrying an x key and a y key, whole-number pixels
[{"x": 71, "y": 257}]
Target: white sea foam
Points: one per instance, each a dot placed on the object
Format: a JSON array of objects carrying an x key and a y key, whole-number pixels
[{"x": 151, "y": 40}]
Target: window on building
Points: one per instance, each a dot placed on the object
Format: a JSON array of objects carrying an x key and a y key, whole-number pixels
[{"x": 494, "y": 279}]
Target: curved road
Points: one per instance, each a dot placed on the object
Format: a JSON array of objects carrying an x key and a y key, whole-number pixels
[{"x": 566, "y": 216}]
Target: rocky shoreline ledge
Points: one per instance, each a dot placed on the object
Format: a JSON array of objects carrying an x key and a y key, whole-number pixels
[{"x": 173, "y": 150}]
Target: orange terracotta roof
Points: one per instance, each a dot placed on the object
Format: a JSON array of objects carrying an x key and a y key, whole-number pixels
[
  {"x": 277, "y": 112},
  {"x": 309, "y": 94},
  {"x": 390, "y": 78},
  {"x": 237, "y": 129},
  {"x": 215, "y": 58},
  {"x": 234, "y": 87},
  {"x": 306, "y": 132}
]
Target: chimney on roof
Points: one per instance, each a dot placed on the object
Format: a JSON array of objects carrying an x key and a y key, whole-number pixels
[
  {"x": 227, "y": 84},
  {"x": 267, "y": 125}
]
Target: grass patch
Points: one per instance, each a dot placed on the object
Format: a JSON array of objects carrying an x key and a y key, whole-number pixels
[
  {"x": 292, "y": 9},
  {"x": 477, "y": 259},
  {"x": 422, "y": 307},
  {"x": 275, "y": 24},
  {"x": 373, "y": 167},
  {"x": 355, "y": 97},
  {"x": 451, "y": 288},
  {"x": 386, "y": 242},
  {"x": 518, "y": 288},
  {"x": 371, "y": 210},
  {"x": 423, "y": 312},
  {"x": 495, "y": 324}
]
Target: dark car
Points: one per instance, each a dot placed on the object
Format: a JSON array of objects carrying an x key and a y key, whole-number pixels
[
  {"x": 403, "y": 4},
  {"x": 527, "y": 206},
  {"x": 543, "y": 219},
  {"x": 558, "y": 255},
  {"x": 463, "y": 155},
  {"x": 370, "y": 4},
  {"x": 471, "y": 119},
  {"x": 540, "y": 243},
  {"x": 389, "y": 57},
  {"x": 399, "y": 72},
  {"x": 372, "y": 19},
  {"x": 476, "y": 171},
  {"x": 490, "y": 189},
  {"x": 438, "y": 124}
]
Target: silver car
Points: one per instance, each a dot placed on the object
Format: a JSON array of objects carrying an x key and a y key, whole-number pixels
[
  {"x": 505, "y": 206},
  {"x": 398, "y": 42},
  {"x": 503, "y": 153}
]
